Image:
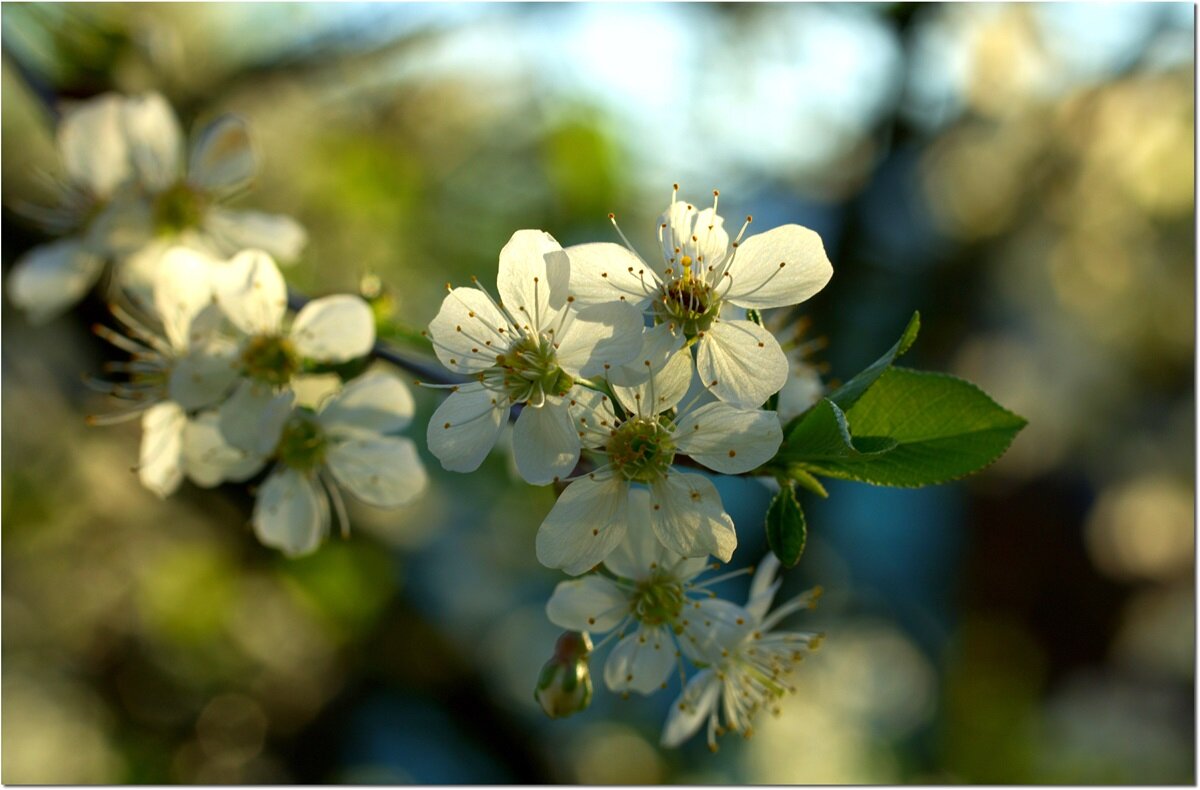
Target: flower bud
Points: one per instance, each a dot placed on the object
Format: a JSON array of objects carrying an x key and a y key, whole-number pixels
[{"x": 565, "y": 683}]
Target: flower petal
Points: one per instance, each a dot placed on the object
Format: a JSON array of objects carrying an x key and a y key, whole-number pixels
[
  {"x": 160, "y": 465},
  {"x": 713, "y": 628},
  {"x": 599, "y": 337},
  {"x": 290, "y": 513},
  {"x": 784, "y": 266},
  {"x": 592, "y": 414},
  {"x": 204, "y": 376},
  {"x": 155, "y": 140},
  {"x": 640, "y": 552},
  {"x": 469, "y": 332},
  {"x": 606, "y": 272},
  {"x": 52, "y": 277},
  {"x": 741, "y": 362},
  {"x": 728, "y": 439},
  {"x": 122, "y": 226},
  {"x": 92, "y": 143},
  {"x": 689, "y": 519},
  {"x": 591, "y": 603},
  {"x": 372, "y": 404},
  {"x": 763, "y": 587},
  {"x": 252, "y": 418},
  {"x": 383, "y": 472},
  {"x": 659, "y": 343},
  {"x": 222, "y": 158},
  {"x": 464, "y": 428},
  {"x": 209, "y": 459},
  {"x": 666, "y": 374},
  {"x": 231, "y": 231},
  {"x": 585, "y": 525},
  {"x": 182, "y": 288},
  {"x": 334, "y": 329},
  {"x": 545, "y": 443},
  {"x": 533, "y": 277},
  {"x": 695, "y": 704},
  {"x": 641, "y": 662},
  {"x": 252, "y": 293},
  {"x": 136, "y": 271}
]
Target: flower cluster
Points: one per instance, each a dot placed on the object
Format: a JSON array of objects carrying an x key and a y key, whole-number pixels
[
  {"x": 131, "y": 192},
  {"x": 215, "y": 363},
  {"x": 213, "y": 373},
  {"x": 628, "y": 375},
  {"x": 629, "y": 383}
]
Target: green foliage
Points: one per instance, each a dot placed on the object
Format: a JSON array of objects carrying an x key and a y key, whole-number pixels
[
  {"x": 822, "y": 433},
  {"x": 787, "y": 532},
  {"x": 885, "y": 426},
  {"x": 942, "y": 427},
  {"x": 848, "y": 394}
]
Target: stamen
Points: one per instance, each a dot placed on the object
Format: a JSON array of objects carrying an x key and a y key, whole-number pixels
[
  {"x": 117, "y": 417},
  {"x": 721, "y": 578},
  {"x": 339, "y": 505},
  {"x": 120, "y": 341},
  {"x": 613, "y": 219},
  {"x": 139, "y": 331}
]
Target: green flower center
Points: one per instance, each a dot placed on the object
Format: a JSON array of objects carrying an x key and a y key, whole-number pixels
[
  {"x": 641, "y": 450},
  {"x": 529, "y": 371},
  {"x": 688, "y": 303},
  {"x": 178, "y": 208},
  {"x": 270, "y": 359},
  {"x": 657, "y": 600},
  {"x": 302, "y": 445}
]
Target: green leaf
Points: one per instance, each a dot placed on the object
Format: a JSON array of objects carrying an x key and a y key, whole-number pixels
[
  {"x": 848, "y": 394},
  {"x": 944, "y": 428},
  {"x": 822, "y": 433},
  {"x": 787, "y": 531}
]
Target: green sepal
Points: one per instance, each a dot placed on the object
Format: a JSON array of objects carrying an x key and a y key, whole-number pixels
[{"x": 807, "y": 481}]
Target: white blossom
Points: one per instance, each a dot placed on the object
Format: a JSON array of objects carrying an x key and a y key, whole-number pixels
[
  {"x": 700, "y": 271},
  {"x": 651, "y": 590},
  {"x": 746, "y": 661},
  {"x": 130, "y": 196},
  {"x": 253, "y": 296},
  {"x": 346, "y": 443},
  {"x": 174, "y": 372},
  {"x": 91, "y": 143},
  {"x": 685, "y": 511},
  {"x": 531, "y": 348},
  {"x": 179, "y": 193}
]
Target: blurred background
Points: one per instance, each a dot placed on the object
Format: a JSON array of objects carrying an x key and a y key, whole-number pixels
[{"x": 1021, "y": 174}]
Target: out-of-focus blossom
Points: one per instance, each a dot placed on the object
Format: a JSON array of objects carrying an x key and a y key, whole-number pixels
[
  {"x": 130, "y": 197},
  {"x": 345, "y": 443},
  {"x": 178, "y": 194},
  {"x": 173, "y": 373},
  {"x": 253, "y": 296},
  {"x": 50, "y": 278}
]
